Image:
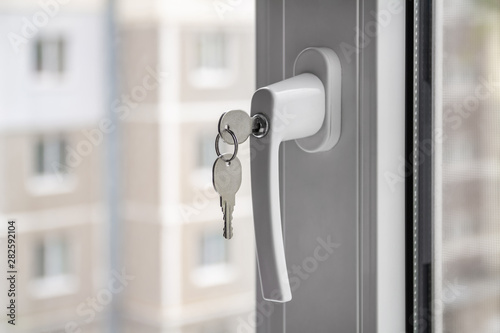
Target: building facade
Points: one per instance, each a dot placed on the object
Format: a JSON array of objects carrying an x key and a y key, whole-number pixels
[
  {"x": 205, "y": 64},
  {"x": 52, "y": 98}
]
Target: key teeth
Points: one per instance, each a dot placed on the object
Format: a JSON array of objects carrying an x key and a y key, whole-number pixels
[
  {"x": 228, "y": 235},
  {"x": 228, "y": 219},
  {"x": 227, "y": 216}
]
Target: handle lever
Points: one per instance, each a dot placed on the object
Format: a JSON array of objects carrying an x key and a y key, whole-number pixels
[{"x": 295, "y": 108}]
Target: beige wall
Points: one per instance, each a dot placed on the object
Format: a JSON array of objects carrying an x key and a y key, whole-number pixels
[
  {"x": 141, "y": 163},
  {"x": 138, "y": 51},
  {"x": 142, "y": 254}
]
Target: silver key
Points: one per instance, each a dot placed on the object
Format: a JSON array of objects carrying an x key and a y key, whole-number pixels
[
  {"x": 227, "y": 181},
  {"x": 242, "y": 125},
  {"x": 239, "y": 122}
]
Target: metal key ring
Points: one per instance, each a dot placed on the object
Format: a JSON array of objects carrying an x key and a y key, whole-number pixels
[{"x": 235, "y": 140}]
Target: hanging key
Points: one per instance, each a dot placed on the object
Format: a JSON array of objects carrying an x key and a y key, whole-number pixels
[
  {"x": 234, "y": 128},
  {"x": 227, "y": 181}
]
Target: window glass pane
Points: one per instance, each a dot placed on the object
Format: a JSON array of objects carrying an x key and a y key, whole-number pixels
[
  {"x": 50, "y": 154},
  {"x": 62, "y": 156},
  {"x": 51, "y": 257},
  {"x": 39, "y": 255},
  {"x": 39, "y": 55},
  {"x": 39, "y": 153},
  {"x": 50, "y": 55},
  {"x": 56, "y": 257},
  {"x": 213, "y": 249},
  {"x": 212, "y": 50},
  {"x": 468, "y": 168},
  {"x": 206, "y": 151},
  {"x": 61, "y": 56}
]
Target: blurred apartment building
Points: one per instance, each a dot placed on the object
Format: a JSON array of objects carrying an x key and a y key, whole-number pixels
[
  {"x": 471, "y": 170},
  {"x": 182, "y": 63},
  {"x": 52, "y": 93},
  {"x": 188, "y": 278}
]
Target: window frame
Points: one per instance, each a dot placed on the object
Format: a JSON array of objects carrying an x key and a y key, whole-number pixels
[{"x": 419, "y": 182}]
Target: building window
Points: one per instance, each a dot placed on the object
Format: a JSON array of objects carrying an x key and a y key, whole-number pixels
[
  {"x": 213, "y": 266},
  {"x": 50, "y": 56},
  {"x": 206, "y": 151},
  {"x": 212, "y": 51},
  {"x": 212, "y": 249},
  {"x": 52, "y": 271},
  {"x": 51, "y": 258},
  {"x": 214, "y": 60},
  {"x": 50, "y": 155},
  {"x": 49, "y": 171}
]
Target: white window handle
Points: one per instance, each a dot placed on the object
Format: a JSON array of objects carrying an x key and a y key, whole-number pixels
[{"x": 305, "y": 108}]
